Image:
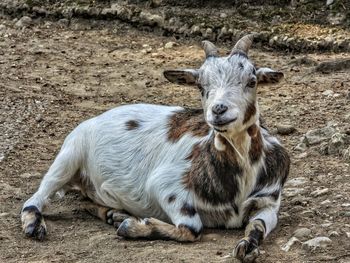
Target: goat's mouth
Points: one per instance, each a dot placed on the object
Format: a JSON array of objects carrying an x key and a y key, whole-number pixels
[{"x": 221, "y": 125}]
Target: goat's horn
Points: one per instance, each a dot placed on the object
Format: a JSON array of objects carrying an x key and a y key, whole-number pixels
[
  {"x": 243, "y": 44},
  {"x": 209, "y": 49}
]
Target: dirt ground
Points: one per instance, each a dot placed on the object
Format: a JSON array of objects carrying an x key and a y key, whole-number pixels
[{"x": 52, "y": 78}]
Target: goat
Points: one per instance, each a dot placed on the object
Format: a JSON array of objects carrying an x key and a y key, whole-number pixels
[{"x": 165, "y": 172}]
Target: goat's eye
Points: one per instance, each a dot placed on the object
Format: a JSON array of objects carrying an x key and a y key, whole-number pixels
[{"x": 252, "y": 83}]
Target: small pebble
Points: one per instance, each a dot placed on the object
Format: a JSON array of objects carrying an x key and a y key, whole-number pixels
[
  {"x": 328, "y": 93},
  {"x": 325, "y": 202},
  {"x": 285, "y": 129},
  {"x": 319, "y": 192},
  {"x": 169, "y": 45}
]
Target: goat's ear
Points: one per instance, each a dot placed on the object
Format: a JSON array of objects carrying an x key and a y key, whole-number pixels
[
  {"x": 268, "y": 76},
  {"x": 185, "y": 76}
]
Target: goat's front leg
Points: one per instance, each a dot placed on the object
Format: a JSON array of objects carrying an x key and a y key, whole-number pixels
[
  {"x": 60, "y": 173},
  {"x": 259, "y": 226}
]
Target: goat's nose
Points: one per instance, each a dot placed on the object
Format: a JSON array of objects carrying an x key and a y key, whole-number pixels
[{"x": 219, "y": 109}]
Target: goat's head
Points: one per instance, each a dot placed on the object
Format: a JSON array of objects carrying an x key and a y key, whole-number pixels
[{"x": 228, "y": 86}]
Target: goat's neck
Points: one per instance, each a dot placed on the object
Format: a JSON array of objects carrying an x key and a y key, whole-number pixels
[{"x": 240, "y": 143}]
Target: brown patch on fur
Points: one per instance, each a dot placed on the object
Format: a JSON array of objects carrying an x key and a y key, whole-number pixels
[
  {"x": 213, "y": 174},
  {"x": 250, "y": 112},
  {"x": 132, "y": 125},
  {"x": 196, "y": 150},
  {"x": 187, "y": 121},
  {"x": 256, "y": 145},
  {"x": 97, "y": 210}
]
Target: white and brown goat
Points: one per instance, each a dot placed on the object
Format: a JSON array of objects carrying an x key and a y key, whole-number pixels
[{"x": 160, "y": 172}]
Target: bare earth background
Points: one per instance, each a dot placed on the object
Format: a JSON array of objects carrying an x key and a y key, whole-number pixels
[{"x": 53, "y": 77}]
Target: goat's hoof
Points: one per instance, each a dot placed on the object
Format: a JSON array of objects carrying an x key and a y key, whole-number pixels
[
  {"x": 115, "y": 217},
  {"x": 135, "y": 228},
  {"x": 125, "y": 229},
  {"x": 33, "y": 223},
  {"x": 246, "y": 251}
]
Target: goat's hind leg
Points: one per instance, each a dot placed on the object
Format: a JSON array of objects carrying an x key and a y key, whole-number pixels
[
  {"x": 154, "y": 229},
  {"x": 111, "y": 216},
  {"x": 60, "y": 173}
]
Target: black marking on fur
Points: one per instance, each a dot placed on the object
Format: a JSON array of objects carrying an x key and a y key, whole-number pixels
[
  {"x": 249, "y": 210},
  {"x": 235, "y": 208},
  {"x": 188, "y": 210},
  {"x": 255, "y": 236},
  {"x": 171, "y": 198},
  {"x": 277, "y": 163},
  {"x": 252, "y": 244},
  {"x": 132, "y": 125},
  {"x": 262, "y": 222},
  {"x": 31, "y": 209},
  {"x": 274, "y": 194}
]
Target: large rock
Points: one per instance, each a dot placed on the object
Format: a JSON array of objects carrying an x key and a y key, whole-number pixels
[
  {"x": 25, "y": 21},
  {"x": 318, "y": 135},
  {"x": 151, "y": 19},
  {"x": 317, "y": 242},
  {"x": 337, "y": 143},
  {"x": 285, "y": 129}
]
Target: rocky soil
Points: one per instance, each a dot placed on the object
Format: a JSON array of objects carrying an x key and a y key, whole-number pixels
[
  {"x": 56, "y": 73},
  {"x": 294, "y": 25}
]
